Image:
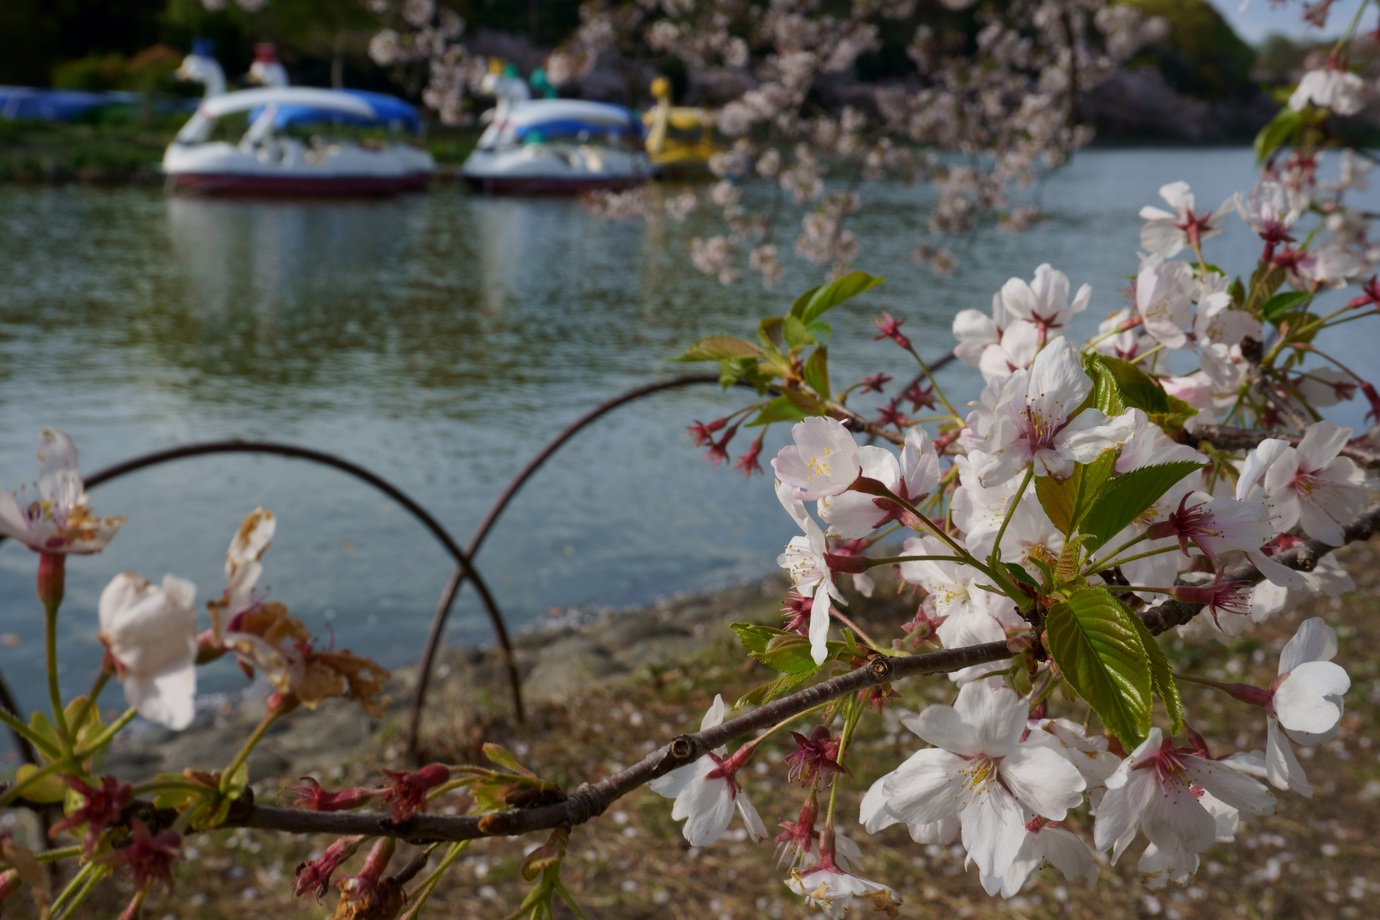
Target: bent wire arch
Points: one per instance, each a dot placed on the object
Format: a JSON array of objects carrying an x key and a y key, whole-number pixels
[
  {"x": 433, "y": 639},
  {"x": 438, "y": 623},
  {"x": 463, "y": 568}
]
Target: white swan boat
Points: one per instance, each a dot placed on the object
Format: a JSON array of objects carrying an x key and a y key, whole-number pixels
[
  {"x": 558, "y": 146},
  {"x": 267, "y": 162}
]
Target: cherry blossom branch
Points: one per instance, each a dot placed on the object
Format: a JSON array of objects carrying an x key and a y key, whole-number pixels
[
  {"x": 1224, "y": 436},
  {"x": 592, "y": 799}
]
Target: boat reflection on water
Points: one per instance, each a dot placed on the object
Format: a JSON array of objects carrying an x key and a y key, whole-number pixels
[{"x": 247, "y": 254}]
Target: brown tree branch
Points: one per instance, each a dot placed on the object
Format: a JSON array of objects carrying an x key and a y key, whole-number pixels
[
  {"x": 591, "y": 799},
  {"x": 1224, "y": 436}
]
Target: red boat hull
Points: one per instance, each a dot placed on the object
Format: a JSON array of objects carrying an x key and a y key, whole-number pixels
[{"x": 296, "y": 186}]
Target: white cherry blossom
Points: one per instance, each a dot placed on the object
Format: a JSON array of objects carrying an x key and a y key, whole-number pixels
[
  {"x": 806, "y": 560},
  {"x": 1330, "y": 88},
  {"x": 1029, "y": 419},
  {"x": 1305, "y": 703},
  {"x": 1172, "y": 795},
  {"x": 854, "y": 514},
  {"x": 834, "y": 891},
  {"x": 1045, "y": 843},
  {"x": 1166, "y": 233},
  {"x": 150, "y": 633},
  {"x": 824, "y": 459},
  {"x": 981, "y": 771},
  {"x": 1045, "y": 300},
  {"x": 706, "y": 791},
  {"x": 1312, "y": 487}
]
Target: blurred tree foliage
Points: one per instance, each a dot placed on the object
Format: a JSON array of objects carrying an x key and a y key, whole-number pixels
[
  {"x": 1202, "y": 55},
  {"x": 88, "y": 42}
]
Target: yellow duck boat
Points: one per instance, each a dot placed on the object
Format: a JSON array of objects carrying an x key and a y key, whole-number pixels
[{"x": 680, "y": 138}]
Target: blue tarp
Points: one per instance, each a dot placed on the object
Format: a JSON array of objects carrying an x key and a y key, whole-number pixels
[
  {"x": 22, "y": 102},
  {"x": 391, "y": 111}
]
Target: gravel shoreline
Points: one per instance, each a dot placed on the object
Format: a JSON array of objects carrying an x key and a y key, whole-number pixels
[{"x": 556, "y": 662}]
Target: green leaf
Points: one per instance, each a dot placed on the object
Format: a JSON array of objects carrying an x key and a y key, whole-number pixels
[
  {"x": 797, "y": 336},
  {"x": 821, "y": 331},
  {"x": 1278, "y": 132},
  {"x": 1098, "y": 649},
  {"x": 1021, "y": 575},
  {"x": 809, "y": 306},
  {"x": 1266, "y": 280},
  {"x": 1126, "y": 496},
  {"x": 719, "y": 348},
  {"x": 1283, "y": 303},
  {"x": 805, "y": 402},
  {"x": 45, "y": 791},
  {"x": 783, "y": 651},
  {"x": 1067, "y": 501},
  {"x": 1057, "y": 497},
  {"x": 731, "y": 370},
  {"x": 501, "y": 756},
  {"x": 772, "y": 689},
  {"x": 779, "y": 409},
  {"x": 1106, "y": 391},
  {"x": 1134, "y": 388},
  {"x": 771, "y": 331},
  {"x": 816, "y": 372},
  {"x": 1161, "y": 676}
]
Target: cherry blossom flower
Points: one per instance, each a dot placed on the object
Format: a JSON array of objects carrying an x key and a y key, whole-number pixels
[
  {"x": 1045, "y": 843},
  {"x": 315, "y": 877},
  {"x": 150, "y": 634},
  {"x": 1311, "y": 486},
  {"x": 1216, "y": 525},
  {"x": 242, "y": 569},
  {"x": 1330, "y": 88},
  {"x": 806, "y": 559},
  {"x": 824, "y": 460},
  {"x": 982, "y": 771},
  {"x": 1164, "y": 299},
  {"x": 855, "y": 514},
  {"x": 968, "y": 614},
  {"x": 706, "y": 791},
  {"x": 1044, "y": 302},
  {"x": 1176, "y": 797},
  {"x": 1166, "y": 234},
  {"x": 1305, "y": 702},
  {"x": 100, "y": 805},
  {"x": 1032, "y": 418},
  {"x": 408, "y": 791},
  {"x": 57, "y": 520},
  {"x": 149, "y": 856},
  {"x": 1270, "y": 209},
  {"x": 813, "y": 757},
  {"x": 834, "y": 891},
  {"x": 311, "y": 796}
]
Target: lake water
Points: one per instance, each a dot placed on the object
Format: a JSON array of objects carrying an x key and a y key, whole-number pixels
[{"x": 440, "y": 341}]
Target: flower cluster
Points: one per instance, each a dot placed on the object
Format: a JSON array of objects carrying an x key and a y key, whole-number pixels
[{"x": 1179, "y": 457}]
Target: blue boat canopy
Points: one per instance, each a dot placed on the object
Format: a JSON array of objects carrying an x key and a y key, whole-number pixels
[
  {"x": 388, "y": 110},
  {"x": 574, "y": 127}
]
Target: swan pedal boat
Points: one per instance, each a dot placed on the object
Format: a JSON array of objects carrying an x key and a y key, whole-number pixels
[
  {"x": 558, "y": 146},
  {"x": 264, "y": 162}
]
